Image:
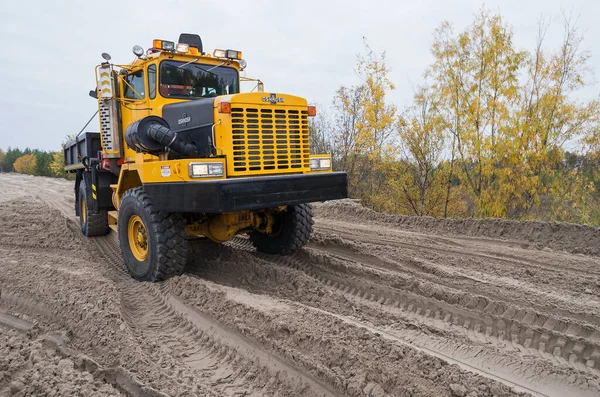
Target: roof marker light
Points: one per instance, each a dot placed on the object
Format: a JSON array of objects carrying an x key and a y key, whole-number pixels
[{"x": 182, "y": 48}]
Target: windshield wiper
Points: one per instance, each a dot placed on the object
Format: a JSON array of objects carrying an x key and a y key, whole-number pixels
[
  {"x": 214, "y": 67},
  {"x": 198, "y": 66},
  {"x": 187, "y": 63},
  {"x": 209, "y": 70}
]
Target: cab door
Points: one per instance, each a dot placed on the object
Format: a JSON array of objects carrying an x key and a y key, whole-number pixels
[{"x": 134, "y": 100}]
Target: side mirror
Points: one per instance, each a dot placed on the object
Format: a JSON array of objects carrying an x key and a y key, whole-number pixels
[{"x": 94, "y": 94}]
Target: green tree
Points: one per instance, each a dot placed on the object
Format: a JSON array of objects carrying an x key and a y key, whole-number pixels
[
  {"x": 42, "y": 161},
  {"x": 2, "y": 161},
  {"x": 12, "y": 154}
]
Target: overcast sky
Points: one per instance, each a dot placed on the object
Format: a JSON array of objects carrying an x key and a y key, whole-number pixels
[{"x": 307, "y": 48}]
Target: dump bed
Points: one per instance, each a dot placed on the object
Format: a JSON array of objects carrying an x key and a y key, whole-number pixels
[{"x": 78, "y": 152}]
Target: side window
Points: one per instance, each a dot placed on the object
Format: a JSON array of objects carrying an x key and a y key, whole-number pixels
[
  {"x": 152, "y": 81},
  {"x": 135, "y": 81}
]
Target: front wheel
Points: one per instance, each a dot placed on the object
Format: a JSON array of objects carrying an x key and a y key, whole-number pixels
[
  {"x": 153, "y": 243},
  {"x": 292, "y": 230}
]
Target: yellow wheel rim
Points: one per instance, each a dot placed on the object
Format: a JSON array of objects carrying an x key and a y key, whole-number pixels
[
  {"x": 138, "y": 239},
  {"x": 83, "y": 211}
]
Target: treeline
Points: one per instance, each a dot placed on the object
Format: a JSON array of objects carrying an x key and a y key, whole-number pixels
[
  {"x": 32, "y": 162},
  {"x": 494, "y": 131}
]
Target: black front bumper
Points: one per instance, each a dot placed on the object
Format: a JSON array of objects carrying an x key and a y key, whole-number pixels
[{"x": 231, "y": 195}]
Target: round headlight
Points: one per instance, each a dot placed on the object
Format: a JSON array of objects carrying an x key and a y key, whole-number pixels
[
  {"x": 243, "y": 64},
  {"x": 138, "y": 50}
]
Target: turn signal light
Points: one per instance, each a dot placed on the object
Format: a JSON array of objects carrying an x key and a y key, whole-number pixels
[
  {"x": 224, "y": 107},
  {"x": 163, "y": 45},
  {"x": 312, "y": 111}
]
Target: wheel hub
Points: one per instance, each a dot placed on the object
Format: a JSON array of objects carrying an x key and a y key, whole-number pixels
[
  {"x": 138, "y": 238},
  {"x": 83, "y": 211}
]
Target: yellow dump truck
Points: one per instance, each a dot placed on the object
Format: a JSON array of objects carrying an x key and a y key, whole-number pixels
[{"x": 182, "y": 154}]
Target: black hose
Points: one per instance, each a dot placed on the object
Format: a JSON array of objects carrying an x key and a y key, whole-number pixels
[
  {"x": 153, "y": 135},
  {"x": 168, "y": 138}
]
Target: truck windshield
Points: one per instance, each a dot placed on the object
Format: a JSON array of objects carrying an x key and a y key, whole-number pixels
[{"x": 194, "y": 80}]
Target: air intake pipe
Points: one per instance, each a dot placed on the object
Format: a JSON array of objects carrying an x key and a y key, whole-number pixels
[{"x": 152, "y": 135}]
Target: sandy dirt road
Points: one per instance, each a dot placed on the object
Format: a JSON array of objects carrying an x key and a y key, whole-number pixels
[{"x": 374, "y": 306}]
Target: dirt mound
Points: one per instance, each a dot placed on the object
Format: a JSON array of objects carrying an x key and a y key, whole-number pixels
[{"x": 577, "y": 239}]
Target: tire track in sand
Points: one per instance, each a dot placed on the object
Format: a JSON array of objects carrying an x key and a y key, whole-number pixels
[
  {"x": 147, "y": 310},
  {"x": 434, "y": 245},
  {"x": 480, "y": 327},
  {"x": 232, "y": 364},
  {"x": 483, "y": 277},
  {"x": 567, "y": 342}
]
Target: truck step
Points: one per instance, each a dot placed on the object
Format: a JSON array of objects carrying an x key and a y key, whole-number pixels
[{"x": 112, "y": 220}]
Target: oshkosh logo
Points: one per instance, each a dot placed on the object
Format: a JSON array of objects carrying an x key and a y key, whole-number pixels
[
  {"x": 272, "y": 99},
  {"x": 184, "y": 119}
]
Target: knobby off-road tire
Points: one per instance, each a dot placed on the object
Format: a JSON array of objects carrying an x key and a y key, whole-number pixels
[
  {"x": 91, "y": 224},
  {"x": 153, "y": 242},
  {"x": 292, "y": 230}
]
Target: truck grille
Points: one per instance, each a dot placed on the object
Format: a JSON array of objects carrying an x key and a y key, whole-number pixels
[{"x": 269, "y": 140}]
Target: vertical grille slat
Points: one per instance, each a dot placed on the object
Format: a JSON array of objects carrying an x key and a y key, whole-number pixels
[{"x": 269, "y": 140}]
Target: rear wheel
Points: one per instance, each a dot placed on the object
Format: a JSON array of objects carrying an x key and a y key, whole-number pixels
[
  {"x": 91, "y": 224},
  {"x": 153, "y": 243},
  {"x": 292, "y": 230}
]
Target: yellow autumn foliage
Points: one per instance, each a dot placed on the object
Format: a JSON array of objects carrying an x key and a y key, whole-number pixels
[
  {"x": 25, "y": 164},
  {"x": 490, "y": 134}
]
